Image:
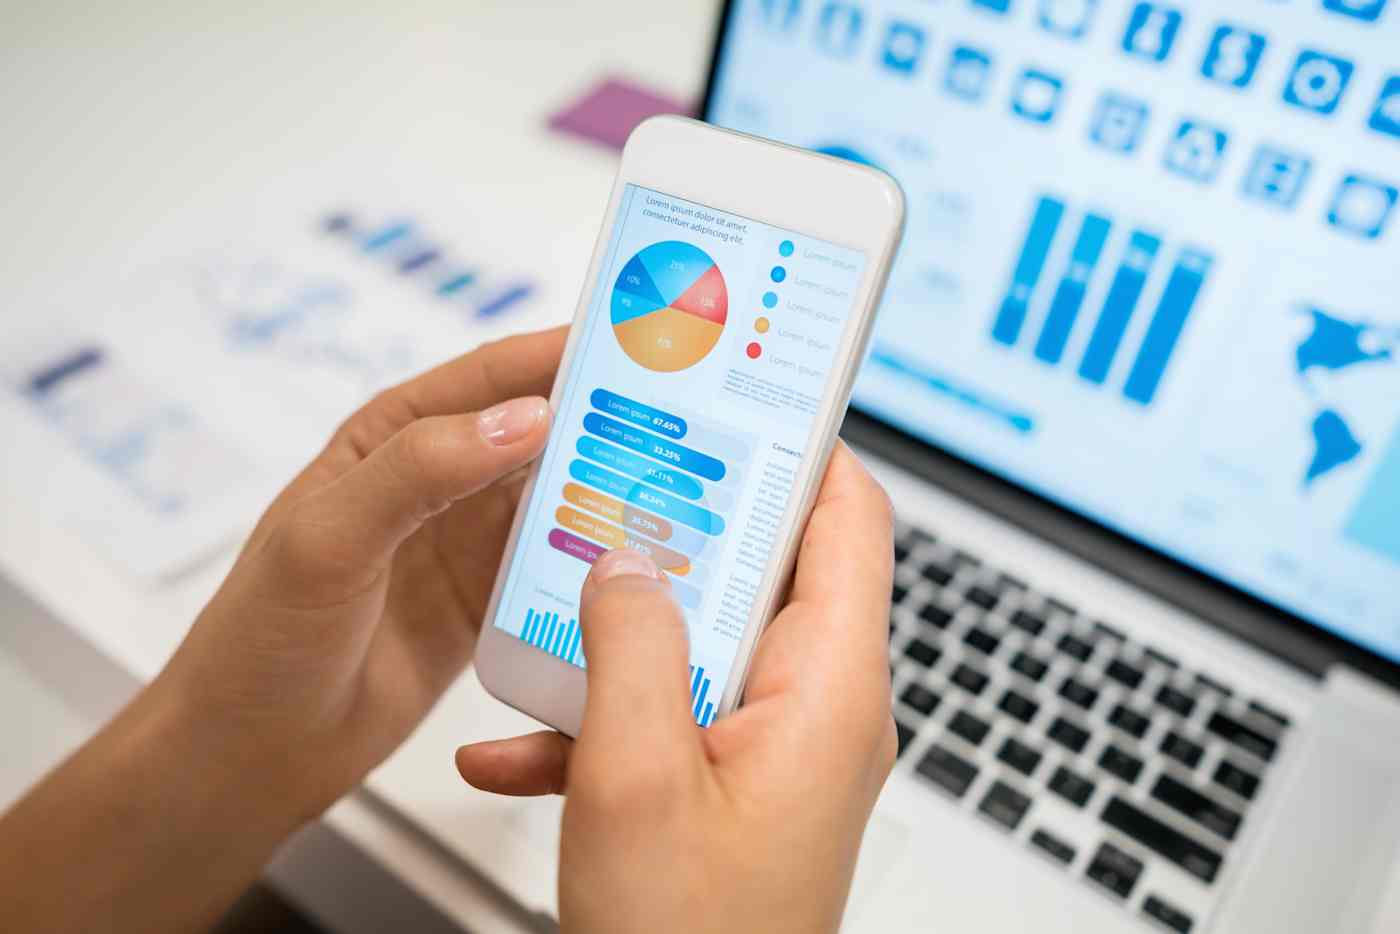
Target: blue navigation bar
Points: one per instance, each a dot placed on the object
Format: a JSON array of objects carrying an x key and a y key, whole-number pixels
[
  {"x": 1064, "y": 309},
  {"x": 1118, "y": 308},
  {"x": 1039, "y": 238},
  {"x": 637, "y": 413},
  {"x": 1189, "y": 274},
  {"x": 638, "y": 494},
  {"x": 634, "y": 465},
  {"x": 677, "y": 455}
]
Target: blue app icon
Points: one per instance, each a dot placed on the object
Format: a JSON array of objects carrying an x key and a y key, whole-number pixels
[
  {"x": 996, "y": 6},
  {"x": 1386, "y": 117},
  {"x": 904, "y": 43},
  {"x": 1068, "y": 18},
  {"x": 1118, "y": 122},
  {"x": 1196, "y": 150},
  {"x": 1362, "y": 206},
  {"x": 1152, "y": 28},
  {"x": 780, "y": 15},
  {"x": 838, "y": 29},
  {"x": 1036, "y": 96},
  {"x": 1233, "y": 56},
  {"x": 1317, "y": 81},
  {"x": 969, "y": 72},
  {"x": 1277, "y": 176},
  {"x": 1368, "y": 10}
]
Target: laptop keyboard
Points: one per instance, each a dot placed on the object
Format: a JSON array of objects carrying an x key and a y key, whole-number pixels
[{"x": 1031, "y": 713}]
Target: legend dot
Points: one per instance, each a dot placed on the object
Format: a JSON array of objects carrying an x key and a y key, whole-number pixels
[
  {"x": 785, "y": 248},
  {"x": 778, "y": 274},
  {"x": 754, "y": 350},
  {"x": 770, "y": 299},
  {"x": 761, "y": 325}
]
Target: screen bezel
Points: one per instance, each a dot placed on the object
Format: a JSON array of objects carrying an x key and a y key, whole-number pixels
[{"x": 1294, "y": 639}]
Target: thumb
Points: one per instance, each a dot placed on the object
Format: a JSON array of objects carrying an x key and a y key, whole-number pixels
[
  {"x": 637, "y": 649},
  {"x": 348, "y": 531}
]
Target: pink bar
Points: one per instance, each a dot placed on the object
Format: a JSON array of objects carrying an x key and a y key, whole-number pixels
[{"x": 573, "y": 545}]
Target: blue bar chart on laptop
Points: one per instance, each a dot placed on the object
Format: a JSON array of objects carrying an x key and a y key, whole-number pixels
[
  {"x": 1127, "y": 295},
  {"x": 1375, "y": 519}
]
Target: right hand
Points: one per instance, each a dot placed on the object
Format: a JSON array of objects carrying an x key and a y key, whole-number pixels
[{"x": 753, "y": 824}]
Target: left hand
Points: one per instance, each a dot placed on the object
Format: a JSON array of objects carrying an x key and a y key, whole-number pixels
[{"x": 360, "y": 594}]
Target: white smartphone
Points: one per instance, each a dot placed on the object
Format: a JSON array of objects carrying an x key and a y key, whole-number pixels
[{"x": 725, "y": 313}]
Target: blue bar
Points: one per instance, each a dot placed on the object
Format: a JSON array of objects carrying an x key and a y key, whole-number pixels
[
  {"x": 49, "y": 377},
  {"x": 638, "y": 413},
  {"x": 388, "y": 235},
  {"x": 525, "y": 629},
  {"x": 503, "y": 301},
  {"x": 1070, "y": 295},
  {"x": 696, "y": 673},
  {"x": 574, "y": 638},
  {"x": 549, "y": 633},
  {"x": 552, "y": 647},
  {"x": 456, "y": 283},
  {"x": 668, "y": 452},
  {"x": 638, "y": 467},
  {"x": 1118, "y": 307},
  {"x": 1192, "y": 267},
  {"x": 709, "y": 716},
  {"x": 1375, "y": 520},
  {"x": 639, "y": 494},
  {"x": 418, "y": 260},
  {"x": 541, "y": 620},
  {"x": 1041, "y": 235},
  {"x": 700, "y": 698}
]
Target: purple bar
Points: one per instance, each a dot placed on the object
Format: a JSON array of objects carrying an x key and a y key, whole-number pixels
[{"x": 573, "y": 545}]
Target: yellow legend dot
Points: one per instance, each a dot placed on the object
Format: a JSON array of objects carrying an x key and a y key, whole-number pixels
[{"x": 761, "y": 325}]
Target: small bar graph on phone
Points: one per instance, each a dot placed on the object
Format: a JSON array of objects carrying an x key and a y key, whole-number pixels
[
  {"x": 544, "y": 631},
  {"x": 1057, "y": 301},
  {"x": 703, "y": 709}
]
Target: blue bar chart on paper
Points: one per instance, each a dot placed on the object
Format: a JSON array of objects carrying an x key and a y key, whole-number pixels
[{"x": 1058, "y": 299}]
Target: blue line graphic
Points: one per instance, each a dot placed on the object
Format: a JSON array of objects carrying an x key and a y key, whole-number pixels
[
  {"x": 1054, "y": 334},
  {"x": 1048, "y": 212},
  {"x": 1192, "y": 267},
  {"x": 1118, "y": 307}
]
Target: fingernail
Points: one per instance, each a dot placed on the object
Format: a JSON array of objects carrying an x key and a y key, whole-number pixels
[
  {"x": 510, "y": 421},
  {"x": 623, "y": 561}
]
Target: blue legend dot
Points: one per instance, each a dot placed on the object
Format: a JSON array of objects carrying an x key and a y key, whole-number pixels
[
  {"x": 779, "y": 274},
  {"x": 785, "y": 248},
  {"x": 770, "y": 299}
]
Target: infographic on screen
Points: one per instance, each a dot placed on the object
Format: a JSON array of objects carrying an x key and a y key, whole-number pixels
[
  {"x": 704, "y": 358},
  {"x": 1151, "y": 267}
]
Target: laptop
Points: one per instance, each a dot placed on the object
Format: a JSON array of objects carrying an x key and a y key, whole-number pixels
[{"x": 1135, "y": 392}]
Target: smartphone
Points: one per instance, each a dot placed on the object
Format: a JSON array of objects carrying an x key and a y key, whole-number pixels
[{"x": 727, "y": 308}]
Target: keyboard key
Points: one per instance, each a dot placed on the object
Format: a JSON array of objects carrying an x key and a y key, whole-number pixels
[
  {"x": 1073, "y": 787},
  {"x": 938, "y": 576},
  {"x": 981, "y": 597},
  {"x": 1069, "y": 735},
  {"x": 1019, "y": 706},
  {"x": 1125, "y": 765},
  {"x": 1029, "y": 666},
  {"x": 1027, "y": 621},
  {"x": 1242, "y": 735},
  {"x": 901, "y": 552},
  {"x": 1060, "y": 851},
  {"x": 1183, "y": 750},
  {"x": 1178, "y": 702},
  {"x": 982, "y": 641},
  {"x": 1174, "y": 918},
  {"x": 964, "y": 560},
  {"x": 1206, "y": 681},
  {"x": 1278, "y": 719},
  {"x": 1208, "y": 813},
  {"x": 920, "y": 651},
  {"x": 1129, "y": 721},
  {"x": 1162, "y": 658},
  {"x": 1060, "y": 607},
  {"x": 1079, "y": 693},
  {"x": 1168, "y": 842},
  {"x": 1019, "y": 756},
  {"x": 905, "y": 736},
  {"x": 936, "y": 616},
  {"x": 898, "y": 594},
  {"x": 969, "y": 679},
  {"x": 1105, "y": 631},
  {"x": 1007, "y": 583},
  {"x": 920, "y": 698},
  {"x": 947, "y": 769},
  {"x": 1075, "y": 647},
  {"x": 1241, "y": 782},
  {"x": 1115, "y": 870},
  {"x": 1124, "y": 674},
  {"x": 970, "y": 727},
  {"x": 1005, "y": 805}
]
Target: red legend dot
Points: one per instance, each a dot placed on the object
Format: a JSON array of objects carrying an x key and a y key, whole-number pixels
[{"x": 754, "y": 351}]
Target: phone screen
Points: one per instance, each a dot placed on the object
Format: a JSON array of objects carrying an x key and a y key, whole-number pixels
[{"x": 691, "y": 400}]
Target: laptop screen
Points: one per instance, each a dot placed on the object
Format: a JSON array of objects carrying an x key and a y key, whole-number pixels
[{"x": 1152, "y": 263}]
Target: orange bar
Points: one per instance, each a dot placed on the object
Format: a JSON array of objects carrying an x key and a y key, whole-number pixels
[
  {"x": 611, "y": 536},
  {"x": 634, "y": 519}
]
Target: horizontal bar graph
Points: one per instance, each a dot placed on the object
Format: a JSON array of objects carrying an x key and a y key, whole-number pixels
[
  {"x": 1128, "y": 287},
  {"x": 546, "y": 631}
]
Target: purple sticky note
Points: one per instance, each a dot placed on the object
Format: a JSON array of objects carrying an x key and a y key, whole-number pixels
[{"x": 612, "y": 109}]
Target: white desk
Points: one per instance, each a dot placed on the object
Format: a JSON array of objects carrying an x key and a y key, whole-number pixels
[{"x": 132, "y": 122}]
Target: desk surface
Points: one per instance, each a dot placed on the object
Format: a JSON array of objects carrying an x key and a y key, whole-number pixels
[{"x": 130, "y": 127}]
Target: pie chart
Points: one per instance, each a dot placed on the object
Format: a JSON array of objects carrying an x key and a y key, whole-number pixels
[{"x": 669, "y": 306}]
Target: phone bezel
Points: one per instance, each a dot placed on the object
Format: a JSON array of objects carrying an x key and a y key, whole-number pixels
[{"x": 844, "y": 203}]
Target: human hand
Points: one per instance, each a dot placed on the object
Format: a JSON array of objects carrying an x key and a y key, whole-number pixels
[
  {"x": 754, "y": 823},
  {"x": 360, "y": 594}
]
